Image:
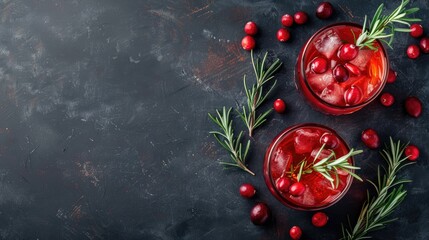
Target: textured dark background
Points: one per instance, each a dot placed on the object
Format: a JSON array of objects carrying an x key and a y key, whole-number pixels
[{"x": 104, "y": 128}]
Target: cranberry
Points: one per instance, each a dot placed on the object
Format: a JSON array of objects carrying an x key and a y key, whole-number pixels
[
  {"x": 283, "y": 35},
  {"x": 387, "y": 99},
  {"x": 251, "y": 28},
  {"x": 424, "y": 44},
  {"x": 370, "y": 138},
  {"x": 340, "y": 73},
  {"x": 319, "y": 219},
  {"x": 413, "y": 51},
  {"x": 260, "y": 214},
  {"x": 297, "y": 189},
  {"x": 279, "y": 106},
  {"x": 287, "y": 20},
  {"x": 283, "y": 184},
  {"x": 295, "y": 232},
  {"x": 348, "y": 52},
  {"x": 319, "y": 65},
  {"x": 391, "y": 78},
  {"x": 353, "y": 95},
  {"x": 353, "y": 69},
  {"x": 330, "y": 140},
  {"x": 416, "y": 30},
  {"x": 300, "y": 17},
  {"x": 413, "y": 106},
  {"x": 247, "y": 190},
  {"x": 412, "y": 152},
  {"x": 248, "y": 43},
  {"x": 324, "y": 10}
]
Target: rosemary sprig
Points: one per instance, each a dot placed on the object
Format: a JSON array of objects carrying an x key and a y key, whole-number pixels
[
  {"x": 328, "y": 167},
  {"x": 255, "y": 94},
  {"x": 226, "y": 139},
  {"x": 390, "y": 193},
  {"x": 382, "y": 27}
]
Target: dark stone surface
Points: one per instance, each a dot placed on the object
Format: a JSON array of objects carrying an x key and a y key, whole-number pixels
[{"x": 104, "y": 128}]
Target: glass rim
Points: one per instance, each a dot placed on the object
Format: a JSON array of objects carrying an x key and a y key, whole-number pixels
[
  {"x": 270, "y": 182},
  {"x": 360, "y": 105}
]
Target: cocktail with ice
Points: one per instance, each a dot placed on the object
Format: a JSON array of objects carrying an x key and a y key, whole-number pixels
[
  {"x": 337, "y": 77},
  {"x": 292, "y": 167}
]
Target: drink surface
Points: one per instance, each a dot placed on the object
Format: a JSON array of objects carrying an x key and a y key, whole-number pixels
[{"x": 304, "y": 143}]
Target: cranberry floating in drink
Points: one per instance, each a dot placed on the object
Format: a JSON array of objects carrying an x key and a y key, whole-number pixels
[{"x": 309, "y": 167}]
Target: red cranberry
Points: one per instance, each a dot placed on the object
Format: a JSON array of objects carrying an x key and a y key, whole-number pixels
[
  {"x": 353, "y": 95},
  {"x": 387, "y": 99},
  {"x": 279, "y": 106},
  {"x": 416, "y": 30},
  {"x": 353, "y": 69},
  {"x": 295, "y": 232},
  {"x": 287, "y": 20},
  {"x": 348, "y": 52},
  {"x": 412, "y": 152},
  {"x": 319, "y": 65},
  {"x": 250, "y": 28},
  {"x": 247, "y": 190},
  {"x": 330, "y": 140},
  {"x": 413, "y": 106},
  {"x": 300, "y": 17},
  {"x": 370, "y": 138},
  {"x": 283, "y": 35},
  {"x": 324, "y": 10},
  {"x": 297, "y": 189},
  {"x": 260, "y": 214},
  {"x": 340, "y": 73},
  {"x": 424, "y": 44},
  {"x": 391, "y": 78},
  {"x": 248, "y": 43},
  {"x": 283, "y": 184},
  {"x": 319, "y": 219},
  {"x": 413, "y": 51}
]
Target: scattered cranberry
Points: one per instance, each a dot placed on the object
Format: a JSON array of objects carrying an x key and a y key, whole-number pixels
[
  {"x": 248, "y": 43},
  {"x": 287, "y": 20},
  {"x": 247, "y": 190},
  {"x": 319, "y": 219},
  {"x": 330, "y": 140},
  {"x": 340, "y": 73},
  {"x": 283, "y": 184},
  {"x": 391, "y": 78},
  {"x": 370, "y": 138},
  {"x": 412, "y": 152},
  {"x": 353, "y": 69},
  {"x": 424, "y": 44},
  {"x": 319, "y": 65},
  {"x": 260, "y": 214},
  {"x": 251, "y": 28},
  {"x": 300, "y": 17},
  {"x": 387, "y": 99},
  {"x": 413, "y": 106},
  {"x": 283, "y": 35},
  {"x": 348, "y": 52},
  {"x": 279, "y": 106},
  {"x": 416, "y": 30},
  {"x": 413, "y": 51},
  {"x": 353, "y": 95},
  {"x": 324, "y": 10},
  {"x": 295, "y": 232},
  {"x": 297, "y": 189}
]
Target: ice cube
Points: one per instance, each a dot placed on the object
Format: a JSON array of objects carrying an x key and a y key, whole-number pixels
[
  {"x": 328, "y": 43},
  {"x": 305, "y": 139},
  {"x": 281, "y": 163},
  {"x": 362, "y": 59},
  {"x": 333, "y": 94},
  {"x": 318, "y": 82},
  {"x": 323, "y": 154}
]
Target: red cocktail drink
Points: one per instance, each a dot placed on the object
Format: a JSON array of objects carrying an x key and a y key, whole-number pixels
[
  {"x": 285, "y": 153},
  {"x": 344, "y": 85}
]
